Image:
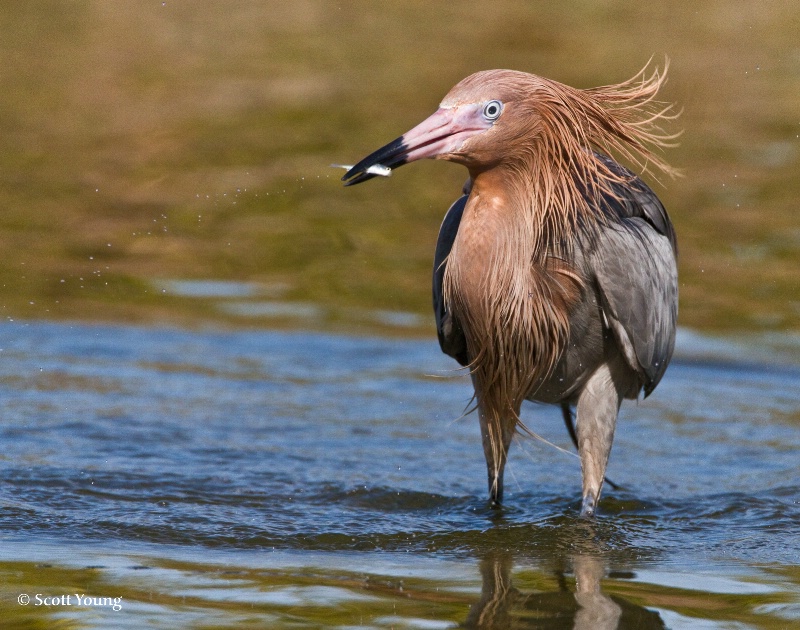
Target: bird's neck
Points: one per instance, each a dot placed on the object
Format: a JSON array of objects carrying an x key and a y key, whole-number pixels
[
  {"x": 510, "y": 298},
  {"x": 492, "y": 235},
  {"x": 499, "y": 238}
]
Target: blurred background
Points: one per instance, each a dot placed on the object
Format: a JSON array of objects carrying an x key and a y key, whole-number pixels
[{"x": 169, "y": 161}]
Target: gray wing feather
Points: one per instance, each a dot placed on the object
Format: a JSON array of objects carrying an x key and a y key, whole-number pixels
[{"x": 635, "y": 268}]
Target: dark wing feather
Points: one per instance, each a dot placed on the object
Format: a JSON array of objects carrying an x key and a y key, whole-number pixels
[
  {"x": 451, "y": 337},
  {"x": 634, "y": 263},
  {"x": 636, "y": 199}
]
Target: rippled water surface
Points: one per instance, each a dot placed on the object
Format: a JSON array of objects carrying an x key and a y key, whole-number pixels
[{"x": 260, "y": 479}]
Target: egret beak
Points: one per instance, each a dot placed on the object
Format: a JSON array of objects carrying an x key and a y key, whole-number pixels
[{"x": 440, "y": 134}]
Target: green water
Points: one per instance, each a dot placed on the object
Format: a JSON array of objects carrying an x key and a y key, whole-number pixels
[{"x": 146, "y": 140}]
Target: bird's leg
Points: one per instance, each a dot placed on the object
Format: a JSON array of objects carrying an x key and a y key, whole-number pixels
[
  {"x": 569, "y": 421},
  {"x": 497, "y": 431},
  {"x": 598, "y": 406}
]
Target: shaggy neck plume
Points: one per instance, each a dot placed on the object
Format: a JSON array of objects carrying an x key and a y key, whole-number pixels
[{"x": 510, "y": 293}]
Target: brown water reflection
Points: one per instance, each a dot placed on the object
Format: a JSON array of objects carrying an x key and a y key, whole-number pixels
[
  {"x": 142, "y": 141},
  {"x": 578, "y": 591}
]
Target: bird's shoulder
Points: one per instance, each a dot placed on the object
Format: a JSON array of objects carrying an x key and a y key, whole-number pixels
[{"x": 632, "y": 199}]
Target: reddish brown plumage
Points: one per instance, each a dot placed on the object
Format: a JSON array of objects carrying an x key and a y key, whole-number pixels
[
  {"x": 517, "y": 282},
  {"x": 508, "y": 278}
]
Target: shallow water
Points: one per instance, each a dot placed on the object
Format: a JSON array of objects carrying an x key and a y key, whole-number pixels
[{"x": 240, "y": 479}]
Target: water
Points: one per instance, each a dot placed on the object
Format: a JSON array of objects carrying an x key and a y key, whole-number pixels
[{"x": 266, "y": 479}]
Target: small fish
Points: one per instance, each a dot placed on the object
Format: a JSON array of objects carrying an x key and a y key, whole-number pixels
[{"x": 375, "y": 169}]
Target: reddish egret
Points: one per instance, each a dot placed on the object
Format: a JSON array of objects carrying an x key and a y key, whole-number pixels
[{"x": 555, "y": 273}]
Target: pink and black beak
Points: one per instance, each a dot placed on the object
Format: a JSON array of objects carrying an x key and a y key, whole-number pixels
[{"x": 441, "y": 134}]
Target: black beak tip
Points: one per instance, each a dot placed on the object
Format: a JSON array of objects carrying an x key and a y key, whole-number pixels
[
  {"x": 350, "y": 180},
  {"x": 389, "y": 156}
]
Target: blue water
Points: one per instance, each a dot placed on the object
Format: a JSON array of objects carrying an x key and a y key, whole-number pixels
[{"x": 127, "y": 446}]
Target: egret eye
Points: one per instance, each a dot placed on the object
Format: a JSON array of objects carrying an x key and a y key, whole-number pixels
[{"x": 492, "y": 110}]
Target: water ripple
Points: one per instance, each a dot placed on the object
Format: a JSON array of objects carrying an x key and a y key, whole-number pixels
[{"x": 314, "y": 442}]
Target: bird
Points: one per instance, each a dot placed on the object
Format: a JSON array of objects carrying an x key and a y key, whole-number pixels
[{"x": 555, "y": 272}]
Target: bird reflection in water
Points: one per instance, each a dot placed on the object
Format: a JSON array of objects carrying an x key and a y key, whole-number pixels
[{"x": 587, "y": 608}]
